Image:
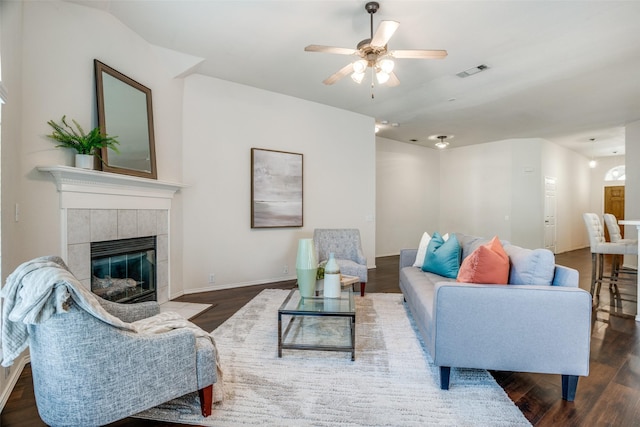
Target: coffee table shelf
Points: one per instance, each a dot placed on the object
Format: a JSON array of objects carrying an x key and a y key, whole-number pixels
[{"x": 317, "y": 323}]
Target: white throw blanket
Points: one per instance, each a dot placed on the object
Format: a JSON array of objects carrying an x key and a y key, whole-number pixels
[
  {"x": 33, "y": 293},
  {"x": 42, "y": 287}
]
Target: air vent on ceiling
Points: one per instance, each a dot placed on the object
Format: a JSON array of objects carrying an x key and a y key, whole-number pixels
[{"x": 472, "y": 71}]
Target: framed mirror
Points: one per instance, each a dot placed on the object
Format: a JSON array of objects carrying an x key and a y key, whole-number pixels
[{"x": 125, "y": 111}]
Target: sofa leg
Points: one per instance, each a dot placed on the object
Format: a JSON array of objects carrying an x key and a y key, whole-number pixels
[
  {"x": 445, "y": 373},
  {"x": 569, "y": 386},
  {"x": 206, "y": 400},
  {"x": 362, "y": 285}
]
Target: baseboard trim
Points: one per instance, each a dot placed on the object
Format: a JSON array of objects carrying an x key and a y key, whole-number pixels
[
  {"x": 16, "y": 371},
  {"x": 237, "y": 285}
]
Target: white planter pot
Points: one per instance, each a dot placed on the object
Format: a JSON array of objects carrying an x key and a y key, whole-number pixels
[{"x": 84, "y": 161}]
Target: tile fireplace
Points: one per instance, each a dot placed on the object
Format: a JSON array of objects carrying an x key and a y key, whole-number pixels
[{"x": 101, "y": 207}]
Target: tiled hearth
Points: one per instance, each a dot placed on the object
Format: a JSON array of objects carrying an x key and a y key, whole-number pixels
[{"x": 100, "y": 206}]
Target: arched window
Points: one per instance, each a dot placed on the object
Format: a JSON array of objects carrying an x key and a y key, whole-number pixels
[{"x": 615, "y": 174}]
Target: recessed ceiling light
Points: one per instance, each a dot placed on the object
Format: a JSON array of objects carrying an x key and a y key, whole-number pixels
[{"x": 471, "y": 71}]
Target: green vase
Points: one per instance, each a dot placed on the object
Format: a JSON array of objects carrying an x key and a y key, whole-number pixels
[
  {"x": 307, "y": 281},
  {"x": 306, "y": 268}
]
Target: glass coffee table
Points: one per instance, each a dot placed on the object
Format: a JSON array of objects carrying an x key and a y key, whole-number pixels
[{"x": 317, "y": 323}]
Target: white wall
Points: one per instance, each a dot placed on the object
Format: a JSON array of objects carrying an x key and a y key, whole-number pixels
[
  {"x": 526, "y": 219},
  {"x": 475, "y": 189},
  {"x": 407, "y": 194},
  {"x": 632, "y": 185},
  {"x": 222, "y": 122},
  {"x": 497, "y": 188},
  {"x": 573, "y": 188}
]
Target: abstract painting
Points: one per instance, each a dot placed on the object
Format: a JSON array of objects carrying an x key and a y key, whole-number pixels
[{"x": 276, "y": 189}]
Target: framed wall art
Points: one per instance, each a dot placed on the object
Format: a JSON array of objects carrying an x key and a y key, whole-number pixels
[{"x": 276, "y": 189}]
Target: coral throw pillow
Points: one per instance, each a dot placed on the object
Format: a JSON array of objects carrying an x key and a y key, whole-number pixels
[
  {"x": 488, "y": 264},
  {"x": 443, "y": 257}
]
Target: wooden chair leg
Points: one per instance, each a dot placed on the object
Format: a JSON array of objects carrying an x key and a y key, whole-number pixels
[
  {"x": 206, "y": 400},
  {"x": 362, "y": 284}
]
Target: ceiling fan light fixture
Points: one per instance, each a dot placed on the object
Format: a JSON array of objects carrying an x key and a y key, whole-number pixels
[
  {"x": 592, "y": 162},
  {"x": 360, "y": 66},
  {"x": 382, "y": 77},
  {"x": 441, "y": 144},
  {"x": 386, "y": 64},
  {"x": 357, "y": 77}
]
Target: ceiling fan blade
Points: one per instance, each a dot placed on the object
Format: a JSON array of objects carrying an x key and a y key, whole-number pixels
[
  {"x": 329, "y": 49},
  {"x": 383, "y": 33},
  {"x": 393, "y": 80},
  {"x": 344, "y": 71},
  {"x": 418, "y": 54}
]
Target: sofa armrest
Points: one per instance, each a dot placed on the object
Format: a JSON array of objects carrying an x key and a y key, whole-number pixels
[
  {"x": 513, "y": 328},
  {"x": 407, "y": 257},
  {"x": 130, "y": 312},
  {"x": 565, "y": 276}
]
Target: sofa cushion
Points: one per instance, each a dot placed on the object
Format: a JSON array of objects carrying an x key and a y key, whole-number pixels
[
  {"x": 530, "y": 267},
  {"x": 442, "y": 257},
  {"x": 488, "y": 264}
]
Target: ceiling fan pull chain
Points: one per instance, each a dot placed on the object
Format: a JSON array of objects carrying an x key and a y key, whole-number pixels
[{"x": 373, "y": 83}]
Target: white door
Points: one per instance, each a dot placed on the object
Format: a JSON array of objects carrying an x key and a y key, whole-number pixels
[{"x": 550, "y": 214}]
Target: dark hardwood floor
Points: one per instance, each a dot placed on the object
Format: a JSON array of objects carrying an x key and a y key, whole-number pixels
[{"x": 609, "y": 396}]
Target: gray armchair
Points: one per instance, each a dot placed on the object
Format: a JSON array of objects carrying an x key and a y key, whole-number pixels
[
  {"x": 347, "y": 248},
  {"x": 88, "y": 372}
]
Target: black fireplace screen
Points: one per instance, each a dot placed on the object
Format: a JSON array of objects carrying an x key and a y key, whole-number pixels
[{"x": 124, "y": 270}]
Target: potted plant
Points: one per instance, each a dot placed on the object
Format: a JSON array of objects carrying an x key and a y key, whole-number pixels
[{"x": 85, "y": 144}]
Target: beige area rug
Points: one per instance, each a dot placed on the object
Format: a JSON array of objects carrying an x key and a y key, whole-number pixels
[{"x": 392, "y": 382}]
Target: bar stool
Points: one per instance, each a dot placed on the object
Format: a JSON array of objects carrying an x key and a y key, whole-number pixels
[
  {"x": 615, "y": 236},
  {"x": 599, "y": 248}
]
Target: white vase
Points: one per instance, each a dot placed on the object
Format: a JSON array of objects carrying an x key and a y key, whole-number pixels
[
  {"x": 332, "y": 278},
  {"x": 84, "y": 161},
  {"x": 306, "y": 268}
]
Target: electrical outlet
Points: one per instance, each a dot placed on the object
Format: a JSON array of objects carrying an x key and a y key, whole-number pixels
[
  {"x": 285, "y": 269},
  {"x": 212, "y": 278}
]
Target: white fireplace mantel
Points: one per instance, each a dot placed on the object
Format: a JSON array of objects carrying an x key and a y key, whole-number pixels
[{"x": 83, "y": 188}]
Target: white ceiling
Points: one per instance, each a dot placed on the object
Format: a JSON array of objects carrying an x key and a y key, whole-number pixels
[{"x": 566, "y": 71}]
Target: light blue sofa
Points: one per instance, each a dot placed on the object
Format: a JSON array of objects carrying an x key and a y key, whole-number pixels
[{"x": 540, "y": 322}]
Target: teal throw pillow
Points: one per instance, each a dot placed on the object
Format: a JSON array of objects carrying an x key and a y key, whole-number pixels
[{"x": 443, "y": 257}]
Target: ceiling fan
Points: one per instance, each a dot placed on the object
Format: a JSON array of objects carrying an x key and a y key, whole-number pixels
[{"x": 373, "y": 53}]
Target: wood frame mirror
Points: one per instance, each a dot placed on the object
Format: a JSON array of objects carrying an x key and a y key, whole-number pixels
[{"x": 125, "y": 110}]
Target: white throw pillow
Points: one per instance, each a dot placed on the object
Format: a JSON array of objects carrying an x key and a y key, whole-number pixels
[{"x": 422, "y": 248}]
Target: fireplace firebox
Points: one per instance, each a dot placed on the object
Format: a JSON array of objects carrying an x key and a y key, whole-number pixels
[{"x": 124, "y": 270}]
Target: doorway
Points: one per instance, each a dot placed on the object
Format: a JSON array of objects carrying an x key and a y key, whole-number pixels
[{"x": 614, "y": 204}]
